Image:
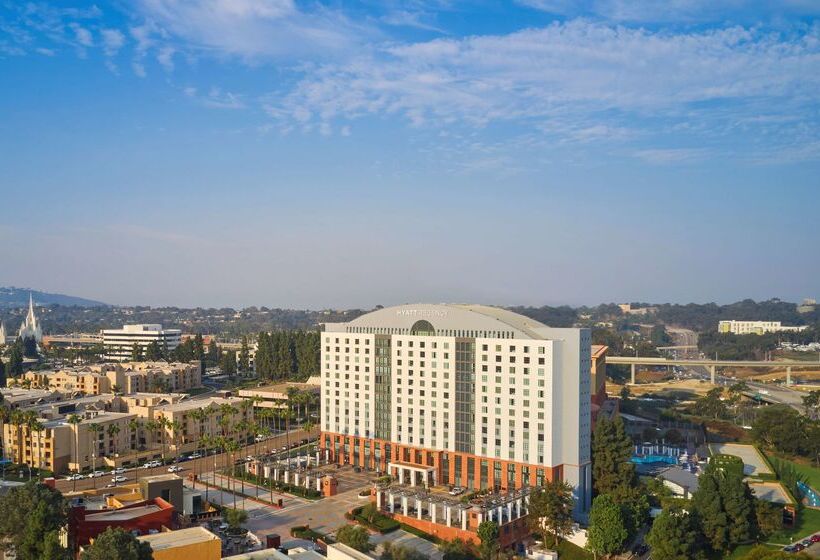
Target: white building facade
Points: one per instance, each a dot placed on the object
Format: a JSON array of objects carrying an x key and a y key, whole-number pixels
[
  {"x": 756, "y": 327},
  {"x": 459, "y": 395},
  {"x": 119, "y": 343}
]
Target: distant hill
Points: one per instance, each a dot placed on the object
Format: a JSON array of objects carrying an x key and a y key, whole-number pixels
[{"x": 18, "y": 297}]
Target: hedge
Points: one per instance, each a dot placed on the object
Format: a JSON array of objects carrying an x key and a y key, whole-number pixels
[{"x": 380, "y": 523}]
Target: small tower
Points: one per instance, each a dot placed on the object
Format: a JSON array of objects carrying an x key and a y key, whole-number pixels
[{"x": 30, "y": 327}]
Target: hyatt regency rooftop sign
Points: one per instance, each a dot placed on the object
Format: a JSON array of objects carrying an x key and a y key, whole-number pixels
[{"x": 421, "y": 313}]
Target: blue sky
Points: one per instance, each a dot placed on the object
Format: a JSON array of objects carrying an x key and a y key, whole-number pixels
[{"x": 338, "y": 154}]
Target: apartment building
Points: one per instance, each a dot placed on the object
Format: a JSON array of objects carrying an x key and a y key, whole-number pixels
[
  {"x": 130, "y": 377},
  {"x": 119, "y": 343},
  {"x": 114, "y": 430},
  {"x": 756, "y": 327},
  {"x": 184, "y": 429},
  {"x": 460, "y": 395}
]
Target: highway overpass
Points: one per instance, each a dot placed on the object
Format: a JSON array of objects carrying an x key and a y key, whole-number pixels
[{"x": 711, "y": 365}]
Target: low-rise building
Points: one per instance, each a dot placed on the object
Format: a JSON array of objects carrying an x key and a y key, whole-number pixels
[
  {"x": 185, "y": 544},
  {"x": 756, "y": 327},
  {"x": 112, "y": 430},
  {"x": 131, "y": 377},
  {"x": 278, "y": 395}
]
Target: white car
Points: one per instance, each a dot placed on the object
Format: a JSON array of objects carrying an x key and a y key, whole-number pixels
[
  {"x": 249, "y": 459},
  {"x": 76, "y": 476},
  {"x": 118, "y": 478},
  {"x": 174, "y": 468},
  {"x": 259, "y": 437},
  {"x": 119, "y": 470},
  {"x": 96, "y": 474},
  {"x": 456, "y": 491},
  {"x": 196, "y": 455}
]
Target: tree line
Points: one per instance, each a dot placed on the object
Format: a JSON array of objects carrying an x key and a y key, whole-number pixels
[{"x": 281, "y": 354}]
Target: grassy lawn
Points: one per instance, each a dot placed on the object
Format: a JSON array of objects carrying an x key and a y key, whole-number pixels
[
  {"x": 568, "y": 551},
  {"x": 808, "y": 523},
  {"x": 743, "y": 550},
  {"x": 812, "y": 474}
]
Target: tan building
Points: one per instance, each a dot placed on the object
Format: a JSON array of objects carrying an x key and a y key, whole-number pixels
[
  {"x": 128, "y": 377},
  {"x": 114, "y": 430},
  {"x": 185, "y": 544},
  {"x": 184, "y": 430},
  {"x": 277, "y": 395}
]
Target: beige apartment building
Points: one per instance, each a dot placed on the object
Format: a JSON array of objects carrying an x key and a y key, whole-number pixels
[
  {"x": 115, "y": 430},
  {"x": 129, "y": 377},
  {"x": 185, "y": 426}
]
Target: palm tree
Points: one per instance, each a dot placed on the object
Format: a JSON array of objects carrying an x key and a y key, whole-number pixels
[
  {"x": 112, "y": 430},
  {"x": 94, "y": 429},
  {"x": 231, "y": 447},
  {"x": 134, "y": 426},
  {"x": 151, "y": 427},
  {"x": 163, "y": 424},
  {"x": 75, "y": 421},
  {"x": 308, "y": 427},
  {"x": 176, "y": 428},
  {"x": 286, "y": 415},
  {"x": 37, "y": 426},
  {"x": 206, "y": 442}
]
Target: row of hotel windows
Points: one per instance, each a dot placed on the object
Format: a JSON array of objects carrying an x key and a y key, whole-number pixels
[{"x": 438, "y": 332}]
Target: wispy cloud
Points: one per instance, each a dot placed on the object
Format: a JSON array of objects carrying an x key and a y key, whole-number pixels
[
  {"x": 256, "y": 30},
  {"x": 580, "y": 72}
]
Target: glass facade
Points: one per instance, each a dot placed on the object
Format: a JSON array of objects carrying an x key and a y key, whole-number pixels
[
  {"x": 382, "y": 399},
  {"x": 465, "y": 396}
]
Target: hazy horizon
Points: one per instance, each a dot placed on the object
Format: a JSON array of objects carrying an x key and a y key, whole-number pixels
[{"x": 339, "y": 155}]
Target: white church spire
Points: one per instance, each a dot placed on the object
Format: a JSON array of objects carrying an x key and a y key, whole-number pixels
[{"x": 30, "y": 328}]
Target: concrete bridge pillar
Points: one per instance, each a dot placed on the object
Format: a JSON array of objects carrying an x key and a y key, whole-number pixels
[
  {"x": 632, "y": 371},
  {"x": 712, "y": 373},
  {"x": 788, "y": 376}
]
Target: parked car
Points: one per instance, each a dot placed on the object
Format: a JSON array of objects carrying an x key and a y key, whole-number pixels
[
  {"x": 118, "y": 478},
  {"x": 456, "y": 490},
  {"x": 196, "y": 455},
  {"x": 259, "y": 437},
  {"x": 815, "y": 538},
  {"x": 75, "y": 476},
  {"x": 119, "y": 470},
  {"x": 174, "y": 468},
  {"x": 96, "y": 474}
]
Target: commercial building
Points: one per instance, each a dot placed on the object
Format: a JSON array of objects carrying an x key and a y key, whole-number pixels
[
  {"x": 184, "y": 428},
  {"x": 130, "y": 377},
  {"x": 756, "y": 327},
  {"x": 459, "y": 395},
  {"x": 119, "y": 343}
]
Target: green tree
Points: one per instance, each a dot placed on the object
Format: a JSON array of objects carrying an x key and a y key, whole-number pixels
[
  {"x": 355, "y": 537},
  {"x": 456, "y": 549},
  {"x": 488, "y": 535},
  {"x": 244, "y": 356},
  {"x": 153, "y": 352},
  {"x": 117, "y": 544},
  {"x": 674, "y": 536},
  {"x": 15, "y": 364},
  {"x": 611, "y": 451},
  {"x": 782, "y": 428},
  {"x": 29, "y": 514},
  {"x": 392, "y": 551},
  {"x": 607, "y": 529},
  {"x": 199, "y": 351},
  {"x": 30, "y": 347},
  {"x": 738, "y": 502},
  {"x": 212, "y": 356},
  {"x": 550, "y": 511},
  {"x": 811, "y": 403},
  {"x": 769, "y": 517},
  {"x": 708, "y": 503},
  {"x": 711, "y": 404},
  {"x": 136, "y": 353},
  {"x": 235, "y": 518},
  {"x": 228, "y": 363},
  {"x": 2, "y": 373}
]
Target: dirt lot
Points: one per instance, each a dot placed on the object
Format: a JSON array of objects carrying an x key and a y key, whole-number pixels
[{"x": 692, "y": 387}]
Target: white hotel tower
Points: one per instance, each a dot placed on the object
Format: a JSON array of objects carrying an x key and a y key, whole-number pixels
[{"x": 459, "y": 395}]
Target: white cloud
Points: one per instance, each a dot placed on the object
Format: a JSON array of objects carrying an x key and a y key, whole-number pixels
[
  {"x": 676, "y": 11},
  {"x": 670, "y": 155},
  {"x": 112, "y": 40},
  {"x": 166, "y": 58},
  {"x": 256, "y": 29},
  {"x": 581, "y": 80},
  {"x": 82, "y": 35}
]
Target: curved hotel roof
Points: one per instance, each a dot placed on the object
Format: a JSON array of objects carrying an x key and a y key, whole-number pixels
[{"x": 446, "y": 319}]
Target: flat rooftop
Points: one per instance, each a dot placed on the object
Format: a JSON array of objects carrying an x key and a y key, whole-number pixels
[
  {"x": 753, "y": 462},
  {"x": 180, "y": 538},
  {"x": 123, "y": 514},
  {"x": 770, "y": 492}
]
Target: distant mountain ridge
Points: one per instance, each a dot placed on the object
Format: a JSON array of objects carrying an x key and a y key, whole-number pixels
[{"x": 18, "y": 297}]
